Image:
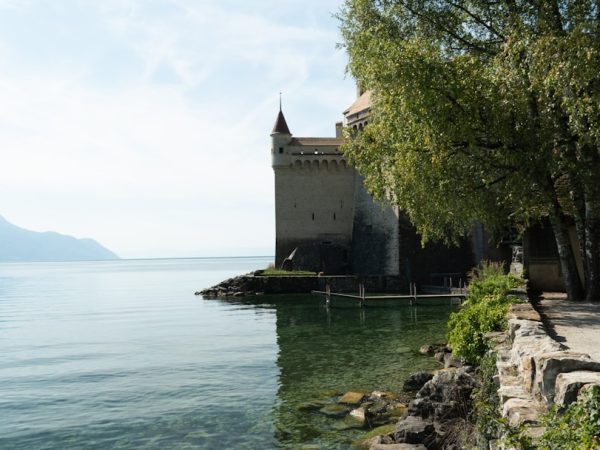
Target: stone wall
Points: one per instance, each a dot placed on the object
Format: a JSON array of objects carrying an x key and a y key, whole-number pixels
[
  {"x": 374, "y": 236},
  {"x": 535, "y": 371},
  {"x": 314, "y": 202}
]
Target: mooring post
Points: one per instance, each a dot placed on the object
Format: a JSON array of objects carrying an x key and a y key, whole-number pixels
[
  {"x": 415, "y": 292},
  {"x": 327, "y": 293},
  {"x": 361, "y": 294}
]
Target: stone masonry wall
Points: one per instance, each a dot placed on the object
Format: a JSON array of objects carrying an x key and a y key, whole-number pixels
[{"x": 535, "y": 371}]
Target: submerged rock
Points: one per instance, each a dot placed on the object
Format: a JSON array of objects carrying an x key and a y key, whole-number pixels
[
  {"x": 352, "y": 398},
  {"x": 334, "y": 410},
  {"x": 432, "y": 349}
]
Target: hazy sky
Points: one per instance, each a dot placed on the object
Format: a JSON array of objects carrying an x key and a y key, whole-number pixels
[{"x": 145, "y": 124}]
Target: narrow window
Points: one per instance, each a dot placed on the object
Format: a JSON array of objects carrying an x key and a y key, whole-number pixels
[
  {"x": 313, "y": 216},
  {"x": 333, "y": 216},
  {"x": 341, "y": 204},
  {"x": 280, "y": 149}
]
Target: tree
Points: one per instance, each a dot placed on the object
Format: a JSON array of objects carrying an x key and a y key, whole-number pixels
[{"x": 483, "y": 111}]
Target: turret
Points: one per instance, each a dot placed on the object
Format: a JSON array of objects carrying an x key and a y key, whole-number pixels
[{"x": 280, "y": 139}]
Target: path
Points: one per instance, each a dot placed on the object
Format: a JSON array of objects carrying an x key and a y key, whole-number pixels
[{"x": 577, "y": 325}]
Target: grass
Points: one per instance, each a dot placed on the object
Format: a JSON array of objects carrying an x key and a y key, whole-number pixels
[{"x": 271, "y": 271}]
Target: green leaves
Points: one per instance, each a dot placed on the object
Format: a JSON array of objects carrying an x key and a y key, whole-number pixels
[
  {"x": 576, "y": 428},
  {"x": 484, "y": 310},
  {"x": 476, "y": 105}
]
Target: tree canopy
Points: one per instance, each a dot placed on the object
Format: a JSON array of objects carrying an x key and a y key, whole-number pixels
[{"x": 483, "y": 111}]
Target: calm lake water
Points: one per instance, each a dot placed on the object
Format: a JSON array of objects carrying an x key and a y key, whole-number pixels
[{"x": 122, "y": 355}]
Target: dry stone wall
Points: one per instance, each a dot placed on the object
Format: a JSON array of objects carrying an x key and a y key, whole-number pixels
[{"x": 535, "y": 371}]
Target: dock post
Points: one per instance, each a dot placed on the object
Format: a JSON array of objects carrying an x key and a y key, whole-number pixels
[
  {"x": 415, "y": 292},
  {"x": 361, "y": 294},
  {"x": 327, "y": 293}
]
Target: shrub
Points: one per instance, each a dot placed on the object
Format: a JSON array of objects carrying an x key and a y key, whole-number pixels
[
  {"x": 483, "y": 311},
  {"x": 469, "y": 325},
  {"x": 577, "y": 428}
]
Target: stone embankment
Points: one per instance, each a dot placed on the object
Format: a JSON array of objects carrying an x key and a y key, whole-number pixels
[
  {"x": 535, "y": 371},
  {"x": 435, "y": 416},
  {"x": 256, "y": 283}
]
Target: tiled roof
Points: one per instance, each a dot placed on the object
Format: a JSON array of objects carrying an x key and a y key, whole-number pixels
[{"x": 362, "y": 103}]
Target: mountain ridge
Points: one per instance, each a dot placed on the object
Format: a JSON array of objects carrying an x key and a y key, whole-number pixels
[{"x": 20, "y": 244}]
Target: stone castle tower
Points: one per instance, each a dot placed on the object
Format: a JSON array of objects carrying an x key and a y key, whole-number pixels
[{"x": 325, "y": 219}]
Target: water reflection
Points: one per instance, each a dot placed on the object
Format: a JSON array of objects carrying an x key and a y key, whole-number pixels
[{"x": 327, "y": 350}]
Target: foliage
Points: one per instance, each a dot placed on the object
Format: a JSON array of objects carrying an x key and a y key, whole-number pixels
[
  {"x": 469, "y": 325},
  {"x": 489, "y": 423},
  {"x": 485, "y": 414},
  {"x": 484, "y": 310},
  {"x": 482, "y": 111},
  {"x": 489, "y": 279},
  {"x": 577, "y": 428},
  {"x": 272, "y": 272}
]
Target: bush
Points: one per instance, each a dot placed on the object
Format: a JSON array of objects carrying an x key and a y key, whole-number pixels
[
  {"x": 469, "y": 325},
  {"x": 577, "y": 428},
  {"x": 483, "y": 311}
]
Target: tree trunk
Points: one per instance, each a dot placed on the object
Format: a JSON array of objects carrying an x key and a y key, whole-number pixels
[
  {"x": 580, "y": 222},
  {"x": 566, "y": 256},
  {"x": 592, "y": 248}
]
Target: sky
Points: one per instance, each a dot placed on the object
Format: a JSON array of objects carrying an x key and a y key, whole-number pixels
[{"x": 144, "y": 124}]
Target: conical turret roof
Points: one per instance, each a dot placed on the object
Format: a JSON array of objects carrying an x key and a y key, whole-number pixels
[{"x": 281, "y": 125}]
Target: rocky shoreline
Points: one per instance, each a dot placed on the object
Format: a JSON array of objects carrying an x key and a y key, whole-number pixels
[
  {"x": 431, "y": 412},
  {"x": 256, "y": 283}
]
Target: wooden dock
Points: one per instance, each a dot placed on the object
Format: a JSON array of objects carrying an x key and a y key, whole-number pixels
[{"x": 413, "y": 297}]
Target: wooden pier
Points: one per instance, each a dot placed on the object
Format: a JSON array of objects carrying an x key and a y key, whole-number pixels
[{"x": 413, "y": 297}]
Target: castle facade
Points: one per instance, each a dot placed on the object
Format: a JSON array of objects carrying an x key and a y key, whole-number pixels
[{"x": 326, "y": 221}]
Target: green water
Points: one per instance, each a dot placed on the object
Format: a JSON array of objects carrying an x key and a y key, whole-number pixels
[
  {"x": 122, "y": 355},
  {"x": 326, "y": 350}
]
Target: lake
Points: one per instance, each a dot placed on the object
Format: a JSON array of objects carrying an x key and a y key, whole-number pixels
[{"x": 122, "y": 355}]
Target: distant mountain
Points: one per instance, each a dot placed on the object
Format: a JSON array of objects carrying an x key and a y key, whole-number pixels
[{"x": 18, "y": 244}]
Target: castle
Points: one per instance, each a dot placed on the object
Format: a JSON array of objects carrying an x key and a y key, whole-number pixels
[{"x": 326, "y": 221}]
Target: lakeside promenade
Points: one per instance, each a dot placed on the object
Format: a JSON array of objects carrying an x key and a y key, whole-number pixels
[{"x": 575, "y": 324}]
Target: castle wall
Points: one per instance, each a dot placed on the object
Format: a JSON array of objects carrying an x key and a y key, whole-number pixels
[
  {"x": 375, "y": 235},
  {"x": 314, "y": 209}
]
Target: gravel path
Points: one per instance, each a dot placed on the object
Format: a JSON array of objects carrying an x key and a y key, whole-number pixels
[{"x": 577, "y": 325}]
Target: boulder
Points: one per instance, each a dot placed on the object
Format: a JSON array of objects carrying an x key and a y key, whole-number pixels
[
  {"x": 448, "y": 386},
  {"x": 550, "y": 365},
  {"x": 416, "y": 381},
  {"x": 397, "y": 409},
  {"x": 450, "y": 361},
  {"x": 520, "y": 411},
  {"x": 569, "y": 384},
  {"x": 413, "y": 430},
  {"x": 439, "y": 356},
  {"x": 432, "y": 349},
  {"x": 358, "y": 414}
]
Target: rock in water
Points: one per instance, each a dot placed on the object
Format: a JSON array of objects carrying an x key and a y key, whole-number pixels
[
  {"x": 416, "y": 381},
  {"x": 352, "y": 398}
]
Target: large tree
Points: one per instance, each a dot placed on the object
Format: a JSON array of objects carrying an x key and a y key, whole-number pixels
[{"x": 483, "y": 111}]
